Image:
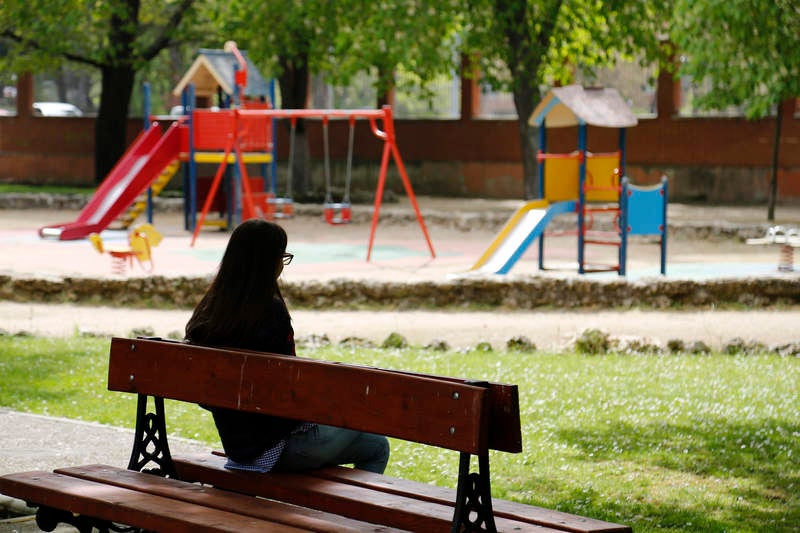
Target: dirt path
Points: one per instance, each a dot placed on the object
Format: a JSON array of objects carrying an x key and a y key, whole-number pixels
[{"x": 547, "y": 329}]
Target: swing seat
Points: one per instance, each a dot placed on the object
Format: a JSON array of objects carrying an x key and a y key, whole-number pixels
[
  {"x": 337, "y": 213},
  {"x": 281, "y": 207},
  {"x": 262, "y": 201}
]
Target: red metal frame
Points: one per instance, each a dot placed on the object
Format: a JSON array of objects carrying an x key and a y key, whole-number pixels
[{"x": 242, "y": 119}]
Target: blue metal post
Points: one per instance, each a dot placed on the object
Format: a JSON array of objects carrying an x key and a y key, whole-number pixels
[
  {"x": 146, "y": 91},
  {"x": 235, "y": 197},
  {"x": 146, "y": 102},
  {"x": 274, "y": 164},
  {"x": 541, "y": 163},
  {"x": 623, "y": 227},
  {"x": 237, "y": 97},
  {"x": 664, "y": 232},
  {"x": 188, "y": 108},
  {"x": 581, "y": 195}
]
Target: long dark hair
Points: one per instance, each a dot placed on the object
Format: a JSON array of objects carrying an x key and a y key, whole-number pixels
[{"x": 241, "y": 301}]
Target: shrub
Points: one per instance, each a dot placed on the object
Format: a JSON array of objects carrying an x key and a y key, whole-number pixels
[
  {"x": 484, "y": 346},
  {"x": 699, "y": 347},
  {"x": 356, "y": 342},
  {"x": 438, "y": 345},
  {"x": 395, "y": 340},
  {"x": 593, "y": 341},
  {"x": 520, "y": 344},
  {"x": 146, "y": 331},
  {"x": 676, "y": 346}
]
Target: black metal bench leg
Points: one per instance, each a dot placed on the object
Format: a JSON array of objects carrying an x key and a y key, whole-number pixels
[
  {"x": 150, "y": 440},
  {"x": 473, "y": 511},
  {"x": 47, "y": 519}
]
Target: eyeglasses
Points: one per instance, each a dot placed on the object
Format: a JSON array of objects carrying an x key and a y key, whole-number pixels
[{"x": 287, "y": 258}]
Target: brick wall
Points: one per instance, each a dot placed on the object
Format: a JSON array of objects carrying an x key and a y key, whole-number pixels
[{"x": 711, "y": 159}]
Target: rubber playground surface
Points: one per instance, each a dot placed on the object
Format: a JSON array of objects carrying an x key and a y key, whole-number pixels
[{"x": 400, "y": 252}]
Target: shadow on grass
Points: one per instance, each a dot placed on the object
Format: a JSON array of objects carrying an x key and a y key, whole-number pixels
[{"x": 755, "y": 462}]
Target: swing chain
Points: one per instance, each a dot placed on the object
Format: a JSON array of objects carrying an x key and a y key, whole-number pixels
[
  {"x": 327, "y": 162},
  {"x": 349, "y": 172},
  {"x": 292, "y": 133}
]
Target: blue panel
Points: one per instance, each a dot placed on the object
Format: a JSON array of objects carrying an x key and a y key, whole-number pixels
[{"x": 646, "y": 210}]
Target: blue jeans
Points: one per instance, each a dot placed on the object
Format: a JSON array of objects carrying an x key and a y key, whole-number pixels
[{"x": 328, "y": 446}]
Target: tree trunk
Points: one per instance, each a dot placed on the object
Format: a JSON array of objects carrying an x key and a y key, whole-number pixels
[
  {"x": 117, "y": 71},
  {"x": 773, "y": 183},
  {"x": 110, "y": 136},
  {"x": 293, "y": 82},
  {"x": 525, "y": 100},
  {"x": 385, "y": 96},
  {"x": 525, "y": 54}
]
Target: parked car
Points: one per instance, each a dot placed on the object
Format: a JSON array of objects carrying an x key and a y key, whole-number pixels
[
  {"x": 56, "y": 109},
  {"x": 177, "y": 110}
]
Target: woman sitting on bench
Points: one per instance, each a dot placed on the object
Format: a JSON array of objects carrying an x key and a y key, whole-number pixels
[{"x": 244, "y": 308}]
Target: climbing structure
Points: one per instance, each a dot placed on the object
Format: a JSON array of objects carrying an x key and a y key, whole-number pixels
[{"x": 593, "y": 181}]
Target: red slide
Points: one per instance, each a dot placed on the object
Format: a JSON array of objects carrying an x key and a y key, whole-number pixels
[{"x": 141, "y": 164}]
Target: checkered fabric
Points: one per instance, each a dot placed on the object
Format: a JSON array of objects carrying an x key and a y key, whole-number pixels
[{"x": 267, "y": 460}]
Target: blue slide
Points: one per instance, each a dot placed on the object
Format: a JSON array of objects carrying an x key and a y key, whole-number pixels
[{"x": 525, "y": 226}]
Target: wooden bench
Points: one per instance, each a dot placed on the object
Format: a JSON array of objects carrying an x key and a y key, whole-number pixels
[{"x": 196, "y": 493}]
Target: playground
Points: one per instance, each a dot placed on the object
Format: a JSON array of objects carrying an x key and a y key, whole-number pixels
[
  {"x": 589, "y": 222},
  {"x": 584, "y": 197}
]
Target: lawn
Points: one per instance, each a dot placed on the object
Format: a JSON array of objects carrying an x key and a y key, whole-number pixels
[
  {"x": 6, "y": 188},
  {"x": 660, "y": 442}
]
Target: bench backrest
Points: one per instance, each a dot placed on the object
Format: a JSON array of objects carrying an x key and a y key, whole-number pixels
[{"x": 445, "y": 412}]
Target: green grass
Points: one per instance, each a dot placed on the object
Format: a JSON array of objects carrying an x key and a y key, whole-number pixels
[
  {"x": 45, "y": 189},
  {"x": 663, "y": 443}
]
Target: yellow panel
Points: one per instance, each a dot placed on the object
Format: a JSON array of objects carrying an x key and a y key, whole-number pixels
[
  {"x": 216, "y": 157},
  {"x": 561, "y": 179},
  {"x": 600, "y": 172},
  {"x": 216, "y": 223}
]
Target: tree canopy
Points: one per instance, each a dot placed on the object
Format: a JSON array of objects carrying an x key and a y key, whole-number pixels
[
  {"x": 117, "y": 37},
  {"x": 749, "y": 52},
  {"x": 749, "y": 49},
  {"x": 297, "y": 38},
  {"x": 525, "y": 45}
]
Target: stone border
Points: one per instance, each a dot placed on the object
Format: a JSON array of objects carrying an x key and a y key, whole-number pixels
[{"x": 517, "y": 293}]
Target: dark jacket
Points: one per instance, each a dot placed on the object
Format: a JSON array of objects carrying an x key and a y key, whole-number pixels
[{"x": 246, "y": 436}]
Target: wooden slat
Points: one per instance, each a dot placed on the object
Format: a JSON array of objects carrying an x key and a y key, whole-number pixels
[
  {"x": 402, "y": 511},
  {"x": 441, "y": 413},
  {"x": 502, "y": 508},
  {"x": 290, "y": 515},
  {"x": 505, "y": 433},
  {"x": 146, "y": 511}
]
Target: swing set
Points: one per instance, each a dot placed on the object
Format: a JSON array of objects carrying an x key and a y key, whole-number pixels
[
  {"x": 244, "y": 129},
  {"x": 334, "y": 213}
]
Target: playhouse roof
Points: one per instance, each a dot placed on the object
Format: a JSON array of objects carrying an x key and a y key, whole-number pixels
[
  {"x": 214, "y": 68},
  {"x": 574, "y": 104}
]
